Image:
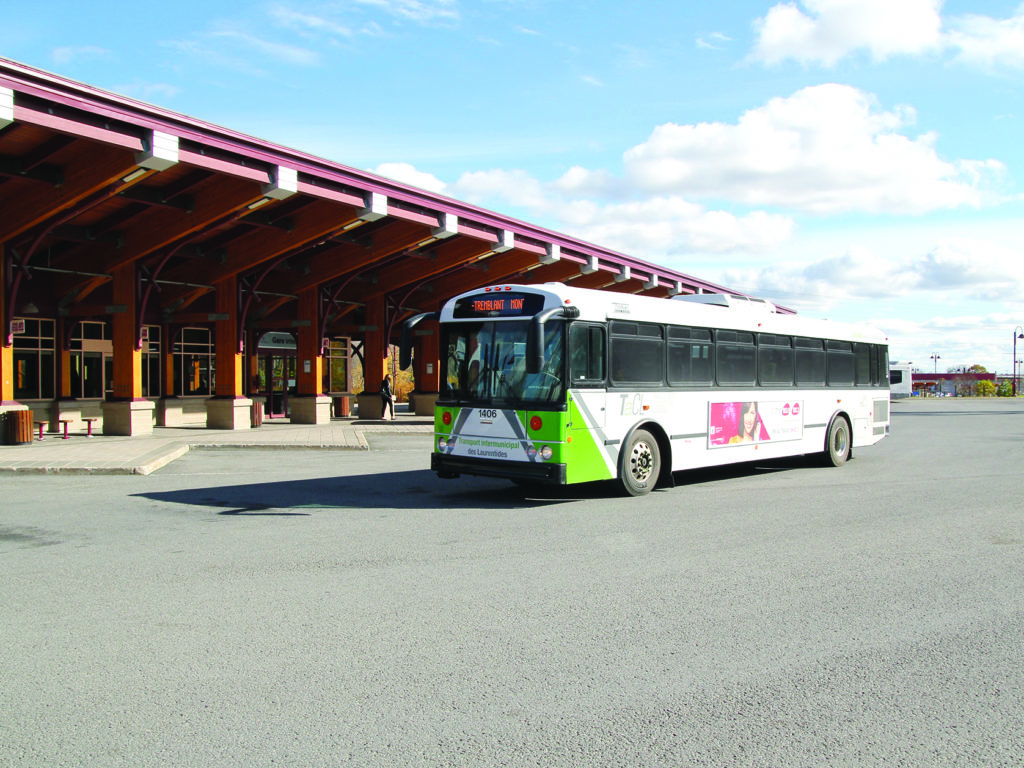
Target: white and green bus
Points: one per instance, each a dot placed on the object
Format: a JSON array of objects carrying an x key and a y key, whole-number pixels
[{"x": 554, "y": 384}]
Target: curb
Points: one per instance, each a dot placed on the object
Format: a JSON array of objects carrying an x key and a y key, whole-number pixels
[{"x": 157, "y": 458}]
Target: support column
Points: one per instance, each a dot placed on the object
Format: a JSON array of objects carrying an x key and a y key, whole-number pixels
[
  {"x": 427, "y": 371},
  {"x": 375, "y": 354},
  {"x": 6, "y": 337},
  {"x": 7, "y": 401},
  {"x": 128, "y": 413},
  {"x": 63, "y": 359},
  {"x": 252, "y": 357},
  {"x": 64, "y": 405},
  {"x": 229, "y": 408},
  {"x": 311, "y": 406},
  {"x": 170, "y": 411}
]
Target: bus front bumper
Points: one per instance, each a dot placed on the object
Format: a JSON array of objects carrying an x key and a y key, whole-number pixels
[{"x": 451, "y": 466}]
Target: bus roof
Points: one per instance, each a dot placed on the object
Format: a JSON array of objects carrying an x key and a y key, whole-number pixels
[{"x": 702, "y": 310}]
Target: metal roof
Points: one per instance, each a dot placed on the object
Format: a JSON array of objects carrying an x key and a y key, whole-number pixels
[{"x": 91, "y": 181}]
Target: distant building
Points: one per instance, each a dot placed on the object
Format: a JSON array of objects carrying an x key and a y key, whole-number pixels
[{"x": 960, "y": 384}]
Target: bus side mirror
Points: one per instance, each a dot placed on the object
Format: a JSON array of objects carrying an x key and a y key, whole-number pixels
[
  {"x": 535, "y": 336},
  {"x": 405, "y": 346}
]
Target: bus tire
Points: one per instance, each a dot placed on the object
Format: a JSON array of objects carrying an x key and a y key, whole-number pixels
[
  {"x": 837, "y": 445},
  {"x": 640, "y": 463}
]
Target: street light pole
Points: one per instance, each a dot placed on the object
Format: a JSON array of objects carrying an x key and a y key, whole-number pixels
[
  {"x": 1018, "y": 333},
  {"x": 935, "y": 369}
]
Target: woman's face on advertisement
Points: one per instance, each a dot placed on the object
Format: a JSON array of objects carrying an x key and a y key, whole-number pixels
[{"x": 749, "y": 418}]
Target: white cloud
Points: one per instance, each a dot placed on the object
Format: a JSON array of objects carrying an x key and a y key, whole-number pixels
[
  {"x": 652, "y": 228},
  {"x": 825, "y": 31},
  {"x": 988, "y": 42},
  {"x": 65, "y": 54},
  {"x": 407, "y": 174},
  {"x": 151, "y": 92},
  {"x": 955, "y": 270},
  {"x": 515, "y": 188},
  {"x": 959, "y": 340},
  {"x": 825, "y": 149},
  {"x": 974, "y": 269},
  {"x": 580, "y": 181},
  {"x": 670, "y": 226},
  {"x": 419, "y": 11},
  {"x": 715, "y": 41},
  {"x": 281, "y": 52},
  {"x": 306, "y": 22}
]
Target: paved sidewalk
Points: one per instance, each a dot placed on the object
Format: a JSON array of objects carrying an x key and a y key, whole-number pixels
[{"x": 143, "y": 454}]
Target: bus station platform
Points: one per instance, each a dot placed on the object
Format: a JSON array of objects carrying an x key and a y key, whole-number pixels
[{"x": 143, "y": 454}]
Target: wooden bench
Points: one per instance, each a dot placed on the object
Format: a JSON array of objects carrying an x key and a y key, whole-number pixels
[
  {"x": 89, "y": 420},
  {"x": 40, "y": 425}
]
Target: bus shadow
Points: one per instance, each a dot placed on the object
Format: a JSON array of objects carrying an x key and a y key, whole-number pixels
[
  {"x": 746, "y": 469},
  {"x": 411, "y": 489}
]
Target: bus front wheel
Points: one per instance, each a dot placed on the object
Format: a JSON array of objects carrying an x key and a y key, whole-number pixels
[
  {"x": 837, "y": 447},
  {"x": 640, "y": 464}
]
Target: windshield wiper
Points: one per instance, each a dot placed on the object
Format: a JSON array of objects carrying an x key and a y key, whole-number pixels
[{"x": 500, "y": 376}]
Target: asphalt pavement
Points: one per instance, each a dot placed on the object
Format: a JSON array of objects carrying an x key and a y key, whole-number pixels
[{"x": 347, "y": 607}]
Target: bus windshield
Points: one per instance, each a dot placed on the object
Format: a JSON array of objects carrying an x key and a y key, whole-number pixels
[{"x": 486, "y": 365}]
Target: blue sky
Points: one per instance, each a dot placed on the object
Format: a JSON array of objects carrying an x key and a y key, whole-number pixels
[{"x": 852, "y": 159}]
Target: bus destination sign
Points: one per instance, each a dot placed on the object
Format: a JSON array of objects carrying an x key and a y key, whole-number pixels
[{"x": 498, "y": 305}]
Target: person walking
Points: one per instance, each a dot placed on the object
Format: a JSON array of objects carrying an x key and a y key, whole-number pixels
[{"x": 387, "y": 399}]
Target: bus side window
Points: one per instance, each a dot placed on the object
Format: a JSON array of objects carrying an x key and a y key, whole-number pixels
[
  {"x": 810, "y": 362},
  {"x": 587, "y": 355},
  {"x": 736, "y": 358},
  {"x": 841, "y": 363},
  {"x": 863, "y": 370}
]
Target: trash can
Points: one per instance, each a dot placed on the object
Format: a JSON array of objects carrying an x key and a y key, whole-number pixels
[
  {"x": 19, "y": 427},
  {"x": 256, "y": 414},
  {"x": 341, "y": 407}
]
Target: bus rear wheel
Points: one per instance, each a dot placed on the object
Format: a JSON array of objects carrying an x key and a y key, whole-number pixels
[
  {"x": 640, "y": 464},
  {"x": 837, "y": 446}
]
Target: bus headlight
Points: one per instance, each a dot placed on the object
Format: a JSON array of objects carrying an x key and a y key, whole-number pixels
[
  {"x": 546, "y": 452},
  {"x": 442, "y": 444},
  {"x": 531, "y": 451}
]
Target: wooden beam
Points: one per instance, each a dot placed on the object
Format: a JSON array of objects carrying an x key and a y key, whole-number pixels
[
  {"x": 163, "y": 227},
  {"x": 28, "y": 206}
]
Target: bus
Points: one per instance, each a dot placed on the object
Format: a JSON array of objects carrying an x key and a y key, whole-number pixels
[{"x": 555, "y": 384}]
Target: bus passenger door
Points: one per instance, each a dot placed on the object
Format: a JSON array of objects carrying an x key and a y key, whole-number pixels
[{"x": 586, "y": 404}]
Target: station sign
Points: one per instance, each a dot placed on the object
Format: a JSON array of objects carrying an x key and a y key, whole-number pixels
[{"x": 275, "y": 340}]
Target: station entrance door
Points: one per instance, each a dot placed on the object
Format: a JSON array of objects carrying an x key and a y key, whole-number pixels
[{"x": 276, "y": 373}]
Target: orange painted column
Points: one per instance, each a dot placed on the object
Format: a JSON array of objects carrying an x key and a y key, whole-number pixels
[
  {"x": 127, "y": 352},
  {"x": 310, "y": 379},
  {"x": 226, "y": 340},
  {"x": 63, "y": 360},
  {"x": 167, "y": 360},
  {"x": 128, "y": 412},
  {"x": 6, "y": 338},
  {"x": 427, "y": 368}
]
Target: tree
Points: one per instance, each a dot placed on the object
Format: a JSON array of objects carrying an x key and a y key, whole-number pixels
[
  {"x": 977, "y": 369},
  {"x": 1005, "y": 388},
  {"x": 985, "y": 389}
]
